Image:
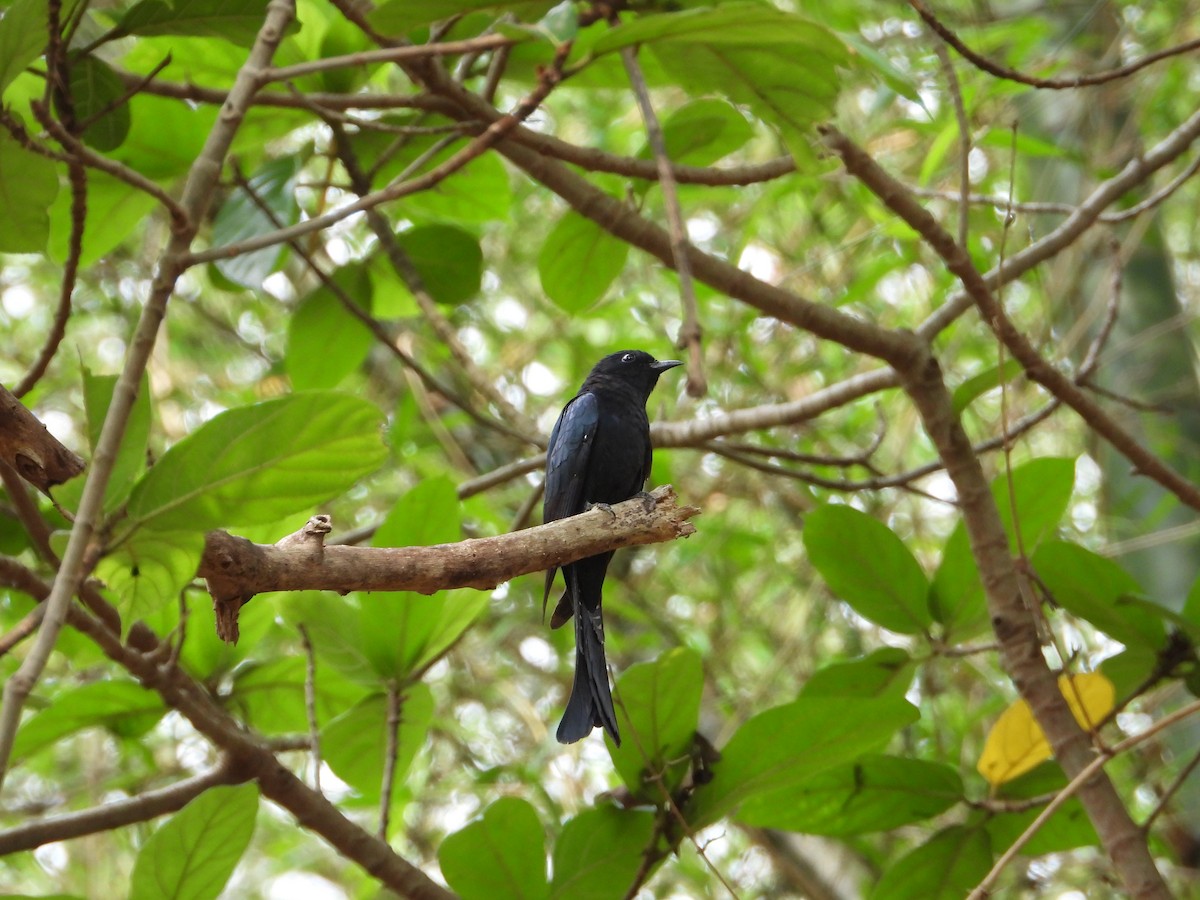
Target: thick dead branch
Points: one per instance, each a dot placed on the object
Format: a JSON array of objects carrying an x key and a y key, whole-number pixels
[
  {"x": 30, "y": 449},
  {"x": 237, "y": 569}
]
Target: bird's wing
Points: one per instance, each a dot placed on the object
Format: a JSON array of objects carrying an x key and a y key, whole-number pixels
[
  {"x": 566, "y": 465},
  {"x": 567, "y": 458}
]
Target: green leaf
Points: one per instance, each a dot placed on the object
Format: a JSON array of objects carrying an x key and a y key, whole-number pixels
[
  {"x": 448, "y": 260},
  {"x": 1042, "y": 488},
  {"x": 193, "y": 854},
  {"x": 1041, "y": 492},
  {"x": 22, "y": 40},
  {"x": 113, "y": 212},
  {"x": 95, "y": 90},
  {"x": 236, "y": 21},
  {"x": 28, "y": 185},
  {"x": 780, "y": 64},
  {"x": 980, "y": 384},
  {"x": 149, "y": 570},
  {"x": 868, "y": 566},
  {"x": 270, "y": 694},
  {"x": 325, "y": 342},
  {"x": 479, "y": 192},
  {"x": 255, "y": 464},
  {"x": 946, "y": 867},
  {"x": 355, "y": 743},
  {"x": 787, "y": 745},
  {"x": 887, "y": 672},
  {"x": 1067, "y": 829},
  {"x": 240, "y": 217},
  {"x": 401, "y": 16},
  {"x": 659, "y": 710},
  {"x": 131, "y": 456},
  {"x": 877, "y": 793},
  {"x": 428, "y": 514},
  {"x": 124, "y": 707},
  {"x": 579, "y": 262},
  {"x": 501, "y": 856},
  {"x": 598, "y": 853},
  {"x": 165, "y": 136},
  {"x": 401, "y": 634},
  {"x": 1100, "y": 591},
  {"x": 703, "y": 131}
]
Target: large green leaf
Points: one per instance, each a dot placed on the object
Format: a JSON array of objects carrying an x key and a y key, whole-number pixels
[
  {"x": 97, "y": 91},
  {"x": 355, "y": 743},
  {"x": 887, "y": 672},
  {"x": 255, "y": 464},
  {"x": 22, "y": 40},
  {"x": 1042, "y": 490},
  {"x": 579, "y": 261},
  {"x": 165, "y": 136},
  {"x": 131, "y": 456},
  {"x": 271, "y": 694},
  {"x": 401, "y": 16},
  {"x": 598, "y": 853},
  {"x": 149, "y": 570},
  {"x": 448, "y": 259},
  {"x": 193, "y": 854},
  {"x": 787, "y": 745},
  {"x": 428, "y": 514},
  {"x": 703, "y": 131},
  {"x": 28, "y": 185},
  {"x": 121, "y": 706},
  {"x": 237, "y": 21},
  {"x": 241, "y": 217},
  {"x": 1067, "y": 829},
  {"x": 325, "y": 342},
  {"x": 658, "y": 711},
  {"x": 876, "y": 793},
  {"x": 945, "y": 867},
  {"x": 782, "y": 65},
  {"x": 1100, "y": 591},
  {"x": 114, "y": 210},
  {"x": 868, "y": 566},
  {"x": 500, "y": 856}
]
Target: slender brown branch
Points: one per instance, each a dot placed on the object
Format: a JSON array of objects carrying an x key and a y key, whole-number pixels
[
  {"x": 237, "y": 569},
  {"x": 892, "y": 193},
  {"x": 690, "y": 332},
  {"x": 143, "y": 807},
  {"x": 400, "y": 54},
  {"x": 391, "y": 751},
  {"x": 310, "y": 704},
  {"x": 993, "y": 68},
  {"x": 964, "y": 142}
]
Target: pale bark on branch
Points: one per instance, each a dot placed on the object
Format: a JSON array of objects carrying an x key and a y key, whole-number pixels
[{"x": 237, "y": 569}]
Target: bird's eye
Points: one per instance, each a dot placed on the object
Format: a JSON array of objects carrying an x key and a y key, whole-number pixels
[{"x": 627, "y": 357}]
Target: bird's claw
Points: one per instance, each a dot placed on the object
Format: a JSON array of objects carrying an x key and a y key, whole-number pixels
[
  {"x": 648, "y": 500},
  {"x": 604, "y": 506}
]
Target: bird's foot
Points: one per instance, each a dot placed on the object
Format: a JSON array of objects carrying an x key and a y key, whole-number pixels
[
  {"x": 604, "y": 506},
  {"x": 648, "y": 500}
]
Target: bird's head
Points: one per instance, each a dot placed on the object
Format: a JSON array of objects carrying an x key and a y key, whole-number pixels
[{"x": 634, "y": 367}]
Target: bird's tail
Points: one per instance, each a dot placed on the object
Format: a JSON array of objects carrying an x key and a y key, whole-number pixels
[{"x": 591, "y": 703}]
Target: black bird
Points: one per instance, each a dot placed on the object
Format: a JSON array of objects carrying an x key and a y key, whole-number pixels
[{"x": 599, "y": 453}]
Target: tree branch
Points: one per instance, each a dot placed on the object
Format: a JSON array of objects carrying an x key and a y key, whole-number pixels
[
  {"x": 197, "y": 194},
  {"x": 237, "y": 569},
  {"x": 109, "y": 816}
]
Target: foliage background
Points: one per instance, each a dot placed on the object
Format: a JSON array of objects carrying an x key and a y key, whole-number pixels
[{"x": 489, "y": 299}]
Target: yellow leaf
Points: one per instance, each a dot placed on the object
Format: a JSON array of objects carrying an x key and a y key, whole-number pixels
[{"x": 1016, "y": 743}]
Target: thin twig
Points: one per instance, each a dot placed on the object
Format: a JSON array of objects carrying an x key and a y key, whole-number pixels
[
  {"x": 690, "y": 331},
  {"x": 999, "y": 71},
  {"x": 964, "y": 142},
  {"x": 310, "y": 704},
  {"x": 1179, "y": 780},
  {"x": 391, "y": 751},
  {"x": 399, "y": 54}
]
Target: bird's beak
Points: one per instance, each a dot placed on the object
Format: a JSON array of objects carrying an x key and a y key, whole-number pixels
[{"x": 664, "y": 364}]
